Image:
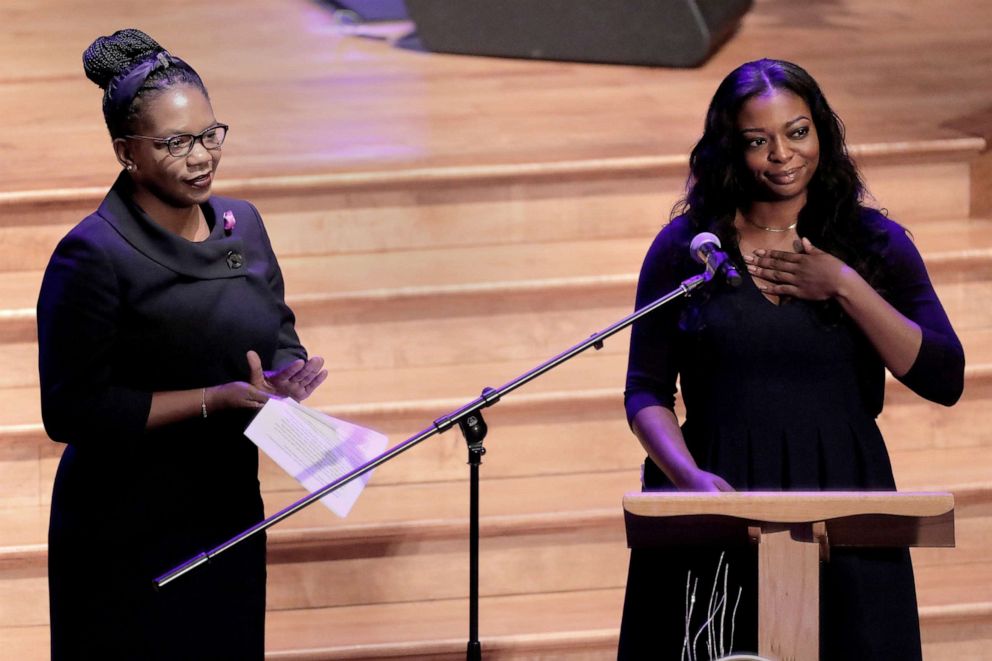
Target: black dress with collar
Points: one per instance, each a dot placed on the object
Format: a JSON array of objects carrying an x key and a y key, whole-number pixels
[{"x": 127, "y": 309}]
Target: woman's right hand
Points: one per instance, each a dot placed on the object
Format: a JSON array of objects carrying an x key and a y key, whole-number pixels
[
  {"x": 658, "y": 431},
  {"x": 171, "y": 406},
  {"x": 235, "y": 395},
  {"x": 700, "y": 480}
]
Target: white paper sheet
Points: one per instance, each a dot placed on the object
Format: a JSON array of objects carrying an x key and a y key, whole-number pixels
[{"x": 315, "y": 448}]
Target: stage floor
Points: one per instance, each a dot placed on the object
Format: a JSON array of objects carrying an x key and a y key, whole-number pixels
[{"x": 304, "y": 96}]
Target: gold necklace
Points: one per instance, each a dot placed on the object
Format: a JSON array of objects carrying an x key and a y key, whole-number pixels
[{"x": 769, "y": 229}]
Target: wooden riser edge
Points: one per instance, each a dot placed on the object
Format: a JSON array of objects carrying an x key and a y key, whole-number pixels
[
  {"x": 445, "y": 337},
  {"x": 396, "y": 416},
  {"x": 595, "y": 644},
  {"x": 972, "y": 502},
  {"x": 867, "y": 154},
  {"x": 418, "y": 413},
  {"x": 539, "y": 433},
  {"x": 287, "y": 545},
  {"x": 957, "y": 613},
  {"x": 564, "y": 646},
  {"x": 947, "y": 269},
  {"x": 293, "y": 545},
  {"x": 433, "y": 269},
  {"x": 946, "y": 632},
  {"x": 307, "y": 219}
]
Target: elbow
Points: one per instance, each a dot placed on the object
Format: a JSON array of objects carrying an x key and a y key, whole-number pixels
[
  {"x": 636, "y": 401},
  {"x": 80, "y": 420},
  {"x": 948, "y": 391},
  {"x": 57, "y": 420},
  {"x": 953, "y": 398},
  {"x": 945, "y": 391},
  {"x": 938, "y": 373},
  {"x": 948, "y": 394},
  {"x": 952, "y": 387},
  {"x": 954, "y": 384}
]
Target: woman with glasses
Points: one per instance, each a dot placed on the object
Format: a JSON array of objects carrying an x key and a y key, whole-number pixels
[{"x": 162, "y": 328}]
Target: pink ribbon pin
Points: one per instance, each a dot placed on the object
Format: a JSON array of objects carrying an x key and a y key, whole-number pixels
[{"x": 229, "y": 221}]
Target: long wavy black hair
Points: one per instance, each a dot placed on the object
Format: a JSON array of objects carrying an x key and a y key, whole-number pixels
[{"x": 833, "y": 218}]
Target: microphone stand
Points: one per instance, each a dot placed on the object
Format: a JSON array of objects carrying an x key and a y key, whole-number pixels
[{"x": 469, "y": 419}]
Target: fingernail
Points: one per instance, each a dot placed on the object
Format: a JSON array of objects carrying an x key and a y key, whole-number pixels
[{"x": 748, "y": 259}]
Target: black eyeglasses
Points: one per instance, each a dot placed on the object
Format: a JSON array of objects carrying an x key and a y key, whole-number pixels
[{"x": 182, "y": 144}]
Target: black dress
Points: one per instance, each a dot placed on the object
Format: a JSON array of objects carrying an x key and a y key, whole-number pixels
[
  {"x": 778, "y": 397},
  {"x": 127, "y": 309}
]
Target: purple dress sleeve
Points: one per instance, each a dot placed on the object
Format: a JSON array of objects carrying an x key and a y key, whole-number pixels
[
  {"x": 78, "y": 310},
  {"x": 653, "y": 363},
  {"x": 938, "y": 372},
  {"x": 289, "y": 347}
]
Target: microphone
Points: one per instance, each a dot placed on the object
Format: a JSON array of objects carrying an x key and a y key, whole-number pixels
[{"x": 705, "y": 249}]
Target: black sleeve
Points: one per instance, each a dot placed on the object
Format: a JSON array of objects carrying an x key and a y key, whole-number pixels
[
  {"x": 289, "y": 347},
  {"x": 653, "y": 362},
  {"x": 78, "y": 310},
  {"x": 938, "y": 372}
]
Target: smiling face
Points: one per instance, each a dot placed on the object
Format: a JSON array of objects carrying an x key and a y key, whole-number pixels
[
  {"x": 178, "y": 182},
  {"x": 780, "y": 145}
]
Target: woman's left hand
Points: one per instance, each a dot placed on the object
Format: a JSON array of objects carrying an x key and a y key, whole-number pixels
[
  {"x": 297, "y": 380},
  {"x": 811, "y": 274}
]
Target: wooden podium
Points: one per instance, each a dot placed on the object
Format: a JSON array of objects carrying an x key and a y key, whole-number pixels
[{"x": 794, "y": 532}]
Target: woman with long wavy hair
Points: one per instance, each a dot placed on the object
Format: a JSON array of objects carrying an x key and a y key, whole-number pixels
[{"x": 782, "y": 377}]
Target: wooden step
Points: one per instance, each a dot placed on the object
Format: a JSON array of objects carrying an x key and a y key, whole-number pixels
[
  {"x": 539, "y": 490},
  {"x": 536, "y": 321},
  {"x": 587, "y": 632},
  {"x": 573, "y": 626},
  {"x": 559, "y": 430},
  {"x": 589, "y": 618},
  {"x": 539, "y": 534},
  {"x": 332, "y": 313},
  {"x": 533, "y": 553},
  {"x": 386, "y": 391},
  {"x": 403, "y": 107},
  {"x": 547, "y": 627},
  {"x": 952, "y": 633},
  {"x": 309, "y": 569},
  {"x": 597, "y": 198},
  {"x": 945, "y": 244},
  {"x": 377, "y": 212},
  {"x": 547, "y": 423},
  {"x": 313, "y": 566}
]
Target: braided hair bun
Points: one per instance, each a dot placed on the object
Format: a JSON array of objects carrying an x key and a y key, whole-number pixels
[
  {"x": 114, "y": 62},
  {"x": 109, "y": 57}
]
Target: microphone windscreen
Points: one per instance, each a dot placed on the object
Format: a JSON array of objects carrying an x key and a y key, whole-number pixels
[{"x": 699, "y": 241}]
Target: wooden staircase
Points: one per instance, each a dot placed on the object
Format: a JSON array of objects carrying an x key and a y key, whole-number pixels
[{"x": 420, "y": 287}]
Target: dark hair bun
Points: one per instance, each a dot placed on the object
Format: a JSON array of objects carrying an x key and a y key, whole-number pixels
[{"x": 109, "y": 57}]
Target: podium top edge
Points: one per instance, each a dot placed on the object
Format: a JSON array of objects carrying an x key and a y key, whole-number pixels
[{"x": 788, "y": 506}]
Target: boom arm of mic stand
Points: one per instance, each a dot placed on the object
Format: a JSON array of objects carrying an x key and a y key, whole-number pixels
[{"x": 488, "y": 398}]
